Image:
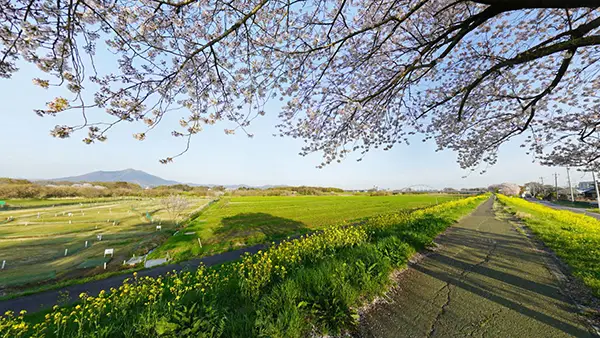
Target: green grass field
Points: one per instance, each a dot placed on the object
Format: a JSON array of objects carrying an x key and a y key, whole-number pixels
[
  {"x": 240, "y": 221},
  {"x": 35, "y": 235}
]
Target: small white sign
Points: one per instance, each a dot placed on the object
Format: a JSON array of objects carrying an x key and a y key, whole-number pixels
[
  {"x": 109, "y": 252},
  {"x": 158, "y": 227}
]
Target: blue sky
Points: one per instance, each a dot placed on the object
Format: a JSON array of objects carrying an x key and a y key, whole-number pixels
[{"x": 28, "y": 151}]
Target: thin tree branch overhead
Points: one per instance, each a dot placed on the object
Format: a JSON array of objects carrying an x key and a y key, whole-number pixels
[{"x": 352, "y": 75}]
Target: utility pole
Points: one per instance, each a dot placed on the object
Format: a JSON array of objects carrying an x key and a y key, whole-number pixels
[
  {"x": 570, "y": 187},
  {"x": 596, "y": 185},
  {"x": 542, "y": 179},
  {"x": 556, "y": 184}
]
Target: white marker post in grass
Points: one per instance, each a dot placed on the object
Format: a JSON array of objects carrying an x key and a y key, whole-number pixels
[
  {"x": 66, "y": 251},
  {"x": 3, "y": 264},
  {"x": 70, "y": 222},
  {"x": 199, "y": 242},
  {"x": 86, "y": 243},
  {"x": 109, "y": 252},
  {"x": 38, "y": 215},
  {"x": 158, "y": 227},
  {"x": 99, "y": 237}
]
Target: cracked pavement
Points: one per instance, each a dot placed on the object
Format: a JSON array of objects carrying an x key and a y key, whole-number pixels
[{"x": 486, "y": 280}]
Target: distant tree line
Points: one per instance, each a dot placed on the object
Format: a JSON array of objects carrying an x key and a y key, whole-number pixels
[
  {"x": 548, "y": 192},
  {"x": 19, "y": 188},
  {"x": 285, "y": 191}
]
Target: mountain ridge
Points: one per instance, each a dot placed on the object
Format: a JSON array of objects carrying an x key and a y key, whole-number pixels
[
  {"x": 127, "y": 175},
  {"x": 140, "y": 177}
]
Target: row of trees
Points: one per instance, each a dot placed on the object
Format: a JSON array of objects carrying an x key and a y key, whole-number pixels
[
  {"x": 285, "y": 191},
  {"x": 535, "y": 189},
  {"x": 10, "y": 188},
  {"x": 18, "y": 188},
  {"x": 547, "y": 192}
]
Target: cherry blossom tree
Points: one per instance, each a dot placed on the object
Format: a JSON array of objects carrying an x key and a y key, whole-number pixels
[
  {"x": 508, "y": 189},
  {"x": 175, "y": 205},
  {"x": 353, "y": 75}
]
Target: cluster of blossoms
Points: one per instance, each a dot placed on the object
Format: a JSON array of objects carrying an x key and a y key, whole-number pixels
[{"x": 353, "y": 75}]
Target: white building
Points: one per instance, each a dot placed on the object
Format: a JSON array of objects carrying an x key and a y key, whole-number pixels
[{"x": 585, "y": 185}]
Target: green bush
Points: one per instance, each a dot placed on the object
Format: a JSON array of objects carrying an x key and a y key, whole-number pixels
[{"x": 396, "y": 250}]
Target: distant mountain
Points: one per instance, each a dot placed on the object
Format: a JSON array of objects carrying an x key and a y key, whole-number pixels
[
  {"x": 128, "y": 175},
  {"x": 142, "y": 178}
]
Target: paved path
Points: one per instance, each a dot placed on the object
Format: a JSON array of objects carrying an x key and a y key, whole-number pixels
[
  {"x": 563, "y": 207},
  {"x": 47, "y": 299},
  {"x": 486, "y": 280}
]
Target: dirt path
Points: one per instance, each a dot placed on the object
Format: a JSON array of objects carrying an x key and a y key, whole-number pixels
[{"x": 486, "y": 280}]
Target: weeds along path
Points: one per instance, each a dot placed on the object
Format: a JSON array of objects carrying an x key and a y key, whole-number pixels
[{"x": 486, "y": 280}]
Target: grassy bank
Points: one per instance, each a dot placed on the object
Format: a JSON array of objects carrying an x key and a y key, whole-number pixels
[
  {"x": 236, "y": 222},
  {"x": 574, "y": 237},
  {"x": 311, "y": 284}
]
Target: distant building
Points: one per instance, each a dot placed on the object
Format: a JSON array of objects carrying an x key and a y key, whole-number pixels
[
  {"x": 587, "y": 189},
  {"x": 585, "y": 185}
]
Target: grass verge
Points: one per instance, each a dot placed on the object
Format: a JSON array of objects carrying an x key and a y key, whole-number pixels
[
  {"x": 574, "y": 237},
  {"x": 293, "y": 289}
]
